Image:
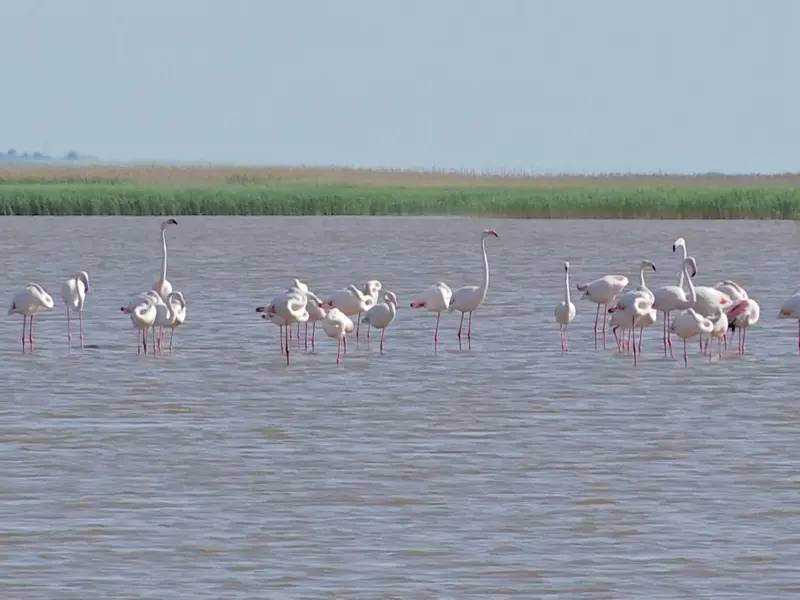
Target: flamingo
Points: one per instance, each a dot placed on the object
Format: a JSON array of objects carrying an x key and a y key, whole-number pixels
[
  {"x": 337, "y": 325},
  {"x": 382, "y": 314},
  {"x": 291, "y": 307},
  {"x": 633, "y": 308},
  {"x": 27, "y": 302},
  {"x": 736, "y": 292},
  {"x": 708, "y": 298},
  {"x": 791, "y": 310},
  {"x": 741, "y": 317},
  {"x": 143, "y": 317},
  {"x": 565, "y": 310},
  {"x": 602, "y": 291},
  {"x": 720, "y": 331},
  {"x": 435, "y": 299},
  {"x": 73, "y": 293},
  {"x": 274, "y": 319},
  {"x": 669, "y": 298},
  {"x": 351, "y": 301},
  {"x": 162, "y": 286},
  {"x": 641, "y": 291},
  {"x": 689, "y": 323},
  {"x": 371, "y": 291},
  {"x": 469, "y": 298},
  {"x": 167, "y": 316},
  {"x": 315, "y": 313}
]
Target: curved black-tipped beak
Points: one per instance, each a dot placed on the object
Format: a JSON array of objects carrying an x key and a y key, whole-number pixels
[
  {"x": 173, "y": 221},
  {"x": 693, "y": 273},
  {"x": 654, "y": 267},
  {"x": 674, "y": 248},
  {"x": 566, "y": 269}
]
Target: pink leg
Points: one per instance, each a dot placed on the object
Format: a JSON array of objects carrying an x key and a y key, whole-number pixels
[
  {"x": 144, "y": 341},
  {"x": 25, "y": 319},
  {"x": 306, "y": 341},
  {"x": 605, "y": 315},
  {"x": 171, "y": 333},
  {"x": 596, "y": 318},
  {"x": 439, "y": 315},
  {"x": 30, "y": 333},
  {"x": 288, "y": 343},
  {"x": 469, "y": 330},
  {"x": 641, "y": 334},
  {"x": 358, "y": 328},
  {"x": 744, "y": 340},
  {"x": 383, "y": 331},
  {"x": 282, "y": 335},
  {"x": 339, "y": 352},
  {"x": 460, "y": 325},
  {"x": 634, "y": 347},
  {"x": 313, "y": 335}
]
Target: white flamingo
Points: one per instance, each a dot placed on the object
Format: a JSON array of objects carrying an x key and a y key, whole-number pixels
[
  {"x": 720, "y": 331},
  {"x": 670, "y": 298},
  {"x": 791, "y": 310},
  {"x": 382, "y": 314},
  {"x": 337, "y": 325},
  {"x": 565, "y": 310},
  {"x": 602, "y": 291},
  {"x": 435, "y": 299},
  {"x": 315, "y": 314},
  {"x": 626, "y": 302},
  {"x": 291, "y": 307},
  {"x": 469, "y": 298},
  {"x": 736, "y": 292},
  {"x": 275, "y": 320},
  {"x": 138, "y": 299},
  {"x": 162, "y": 286},
  {"x": 351, "y": 301},
  {"x": 27, "y": 302},
  {"x": 633, "y": 307},
  {"x": 371, "y": 291},
  {"x": 741, "y": 317},
  {"x": 689, "y": 323},
  {"x": 167, "y": 315},
  {"x": 179, "y": 307},
  {"x": 708, "y": 298},
  {"x": 73, "y": 293},
  {"x": 143, "y": 316}
]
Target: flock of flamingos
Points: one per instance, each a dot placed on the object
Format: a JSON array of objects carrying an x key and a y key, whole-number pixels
[{"x": 701, "y": 311}]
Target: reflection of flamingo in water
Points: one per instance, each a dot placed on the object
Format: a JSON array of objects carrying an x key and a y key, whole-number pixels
[
  {"x": 468, "y": 298},
  {"x": 602, "y": 291},
  {"x": 435, "y": 299}
]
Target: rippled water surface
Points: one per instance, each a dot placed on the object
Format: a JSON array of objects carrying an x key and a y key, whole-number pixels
[{"x": 504, "y": 471}]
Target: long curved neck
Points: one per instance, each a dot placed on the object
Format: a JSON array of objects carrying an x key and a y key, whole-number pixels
[
  {"x": 566, "y": 288},
  {"x": 485, "y": 285},
  {"x": 164, "y": 255},
  {"x": 692, "y": 292},
  {"x": 682, "y": 274},
  {"x": 641, "y": 278}
]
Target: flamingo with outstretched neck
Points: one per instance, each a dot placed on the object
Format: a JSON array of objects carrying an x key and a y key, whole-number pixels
[
  {"x": 669, "y": 298},
  {"x": 565, "y": 310},
  {"x": 469, "y": 298},
  {"x": 689, "y": 323},
  {"x": 162, "y": 285}
]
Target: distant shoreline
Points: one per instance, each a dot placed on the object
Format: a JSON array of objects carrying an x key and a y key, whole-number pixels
[{"x": 281, "y": 176}]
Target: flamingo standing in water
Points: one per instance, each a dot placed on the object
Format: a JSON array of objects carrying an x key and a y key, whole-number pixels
[
  {"x": 633, "y": 308},
  {"x": 291, "y": 307},
  {"x": 741, "y": 317},
  {"x": 689, "y": 323},
  {"x": 720, "y": 331},
  {"x": 162, "y": 285},
  {"x": 646, "y": 318},
  {"x": 670, "y": 298},
  {"x": 371, "y": 291},
  {"x": 468, "y": 298},
  {"x": 565, "y": 310},
  {"x": 435, "y": 299},
  {"x": 791, "y": 310},
  {"x": 73, "y": 293},
  {"x": 143, "y": 316},
  {"x": 602, "y": 291},
  {"x": 167, "y": 315},
  {"x": 381, "y": 315},
  {"x": 337, "y": 325},
  {"x": 27, "y": 302}
]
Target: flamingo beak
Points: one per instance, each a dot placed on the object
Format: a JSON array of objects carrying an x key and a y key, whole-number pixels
[
  {"x": 674, "y": 248},
  {"x": 260, "y": 309}
]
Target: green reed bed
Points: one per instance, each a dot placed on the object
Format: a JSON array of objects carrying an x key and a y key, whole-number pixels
[{"x": 574, "y": 203}]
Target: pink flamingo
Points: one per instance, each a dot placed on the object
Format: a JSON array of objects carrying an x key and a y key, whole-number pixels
[{"x": 435, "y": 299}]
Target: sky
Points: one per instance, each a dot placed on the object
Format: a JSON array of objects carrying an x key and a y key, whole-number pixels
[{"x": 579, "y": 86}]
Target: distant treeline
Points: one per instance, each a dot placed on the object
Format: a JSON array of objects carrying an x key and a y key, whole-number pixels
[{"x": 12, "y": 156}]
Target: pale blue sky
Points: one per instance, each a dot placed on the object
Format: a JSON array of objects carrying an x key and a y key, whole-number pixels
[{"x": 559, "y": 85}]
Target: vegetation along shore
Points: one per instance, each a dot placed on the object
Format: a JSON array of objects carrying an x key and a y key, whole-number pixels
[{"x": 214, "y": 190}]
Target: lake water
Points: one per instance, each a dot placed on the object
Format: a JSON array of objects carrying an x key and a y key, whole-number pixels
[{"x": 506, "y": 471}]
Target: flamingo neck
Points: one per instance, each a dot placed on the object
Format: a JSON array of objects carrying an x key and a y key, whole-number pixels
[
  {"x": 641, "y": 278},
  {"x": 485, "y": 285},
  {"x": 692, "y": 291},
  {"x": 682, "y": 273},
  {"x": 164, "y": 255},
  {"x": 566, "y": 288}
]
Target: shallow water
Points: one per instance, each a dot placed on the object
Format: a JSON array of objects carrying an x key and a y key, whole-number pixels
[{"x": 506, "y": 471}]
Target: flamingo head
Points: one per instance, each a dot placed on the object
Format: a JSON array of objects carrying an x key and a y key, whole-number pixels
[
  {"x": 489, "y": 232},
  {"x": 167, "y": 223},
  {"x": 261, "y": 309},
  {"x": 679, "y": 243},
  {"x": 372, "y": 288},
  {"x": 329, "y": 304},
  {"x": 566, "y": 266},
  {"x": 647, "y": 264},
  {"x": 84, "y": 277}
]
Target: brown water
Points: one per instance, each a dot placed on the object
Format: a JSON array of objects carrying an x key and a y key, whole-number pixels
[{"x": 507, "y": 471}]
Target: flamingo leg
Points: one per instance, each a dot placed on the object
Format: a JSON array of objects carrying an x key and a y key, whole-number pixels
[
  {"x": 641, "y": 335},
  {"x": 744, "y": 339},
  {"x": 596, "y": 318},
  {"x": 344, "y": 344},
  {"x": 469, "y": 331},
  {"x": 666, "y": 320},
  {"x": 30, "y": 333},
  {"x": 144, "y": 341},
  {"x": 138, "y": 341},
  {"x": 171, "y": 333},
  {"x": 25, "y": 320},
  {"x": 798, "y": 336},
  {"x": 358, "y": 329},
  {"x": 69, "y": 335},
  {"x": 153, "y": 329},
  {"x": 634, "y": 345},
  {"x": 719, "y": 344},
  {"x": 685, "y": 355},
  {"x": 566, "y": 345},
  {"x": 298, "y": 333},
  {"x": 460, "y": 325},
  {"x": 439, "y": 316},
  {"x": 605, "y": 316},
  {"x": 288, "y": 343},
  {"x": 306, "y": 340},
  {"x": 313, "y": 335},
  {"x": 339, "y": 352},
  {"x": 369, "y": 329},
  {"x": 80, "y": 326},
  {"x": 383, "y": 331},
  {"x": 281, "y": 335}
]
